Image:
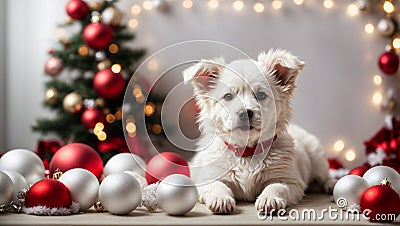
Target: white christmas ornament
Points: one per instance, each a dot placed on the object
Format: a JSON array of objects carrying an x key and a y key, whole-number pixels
[
  {"x": 386, "y": 27},
  {"x": 120, "y": 193},
  {"x": 18, "y": 180},
  {"x": 83, "y": 186},
  {"x": 125, "y": 162},
  {"x": 348, "y": 190},
  {"x": 24, "y": 162},
  {"x": 6, "y": 189},
  {"x": 375, "y": 175},
  {"x": 176, "y": 194}
]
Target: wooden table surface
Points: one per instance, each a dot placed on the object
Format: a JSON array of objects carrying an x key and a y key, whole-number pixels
[{"x": 245, "y": 214}]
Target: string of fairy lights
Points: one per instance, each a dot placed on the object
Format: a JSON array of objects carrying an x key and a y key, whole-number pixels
[{"x": 259, "y": 6}]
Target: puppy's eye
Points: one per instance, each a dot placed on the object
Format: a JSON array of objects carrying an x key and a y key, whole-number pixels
[
  {"x": 261, "y": 95},
  {"x": 228, "y": 96}
]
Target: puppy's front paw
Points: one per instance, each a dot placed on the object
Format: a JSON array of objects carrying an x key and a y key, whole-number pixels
[
  {"x": 220, "y": 204},
  {"x": 268, "y": 204},
  {"x": 329, "y": 185}
]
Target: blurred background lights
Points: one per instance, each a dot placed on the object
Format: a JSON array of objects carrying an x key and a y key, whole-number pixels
[
  {"x": 136, "y": 9},
  {"x": 276, "y": 4},
  {"x": 147, "y": 5},
  {"x": 213, "y": 4},
  {"x": 350, "y": 155},
  {"x": 352, "y": 10},
  {"x": 377, "y": 98},
  {"x": 133, "y": 23},
  {"x": 238, "y": 5},
  {"x": 369, "y": 28},
  {"x": 328, "y": 4},
  {"x": 388, "y": 7},
  {"x": 338, "y": 145},
  {"x": 377, "y": 80},
  {"x": 298, "y": 2},
  {"x": 258, "y": 7},
  {"x": 187, "y": 4}
]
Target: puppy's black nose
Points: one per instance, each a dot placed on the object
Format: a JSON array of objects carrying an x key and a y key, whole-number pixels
[{"x": 245, "y": 115}]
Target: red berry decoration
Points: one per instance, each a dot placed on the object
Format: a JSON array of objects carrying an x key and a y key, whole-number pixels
[
  {"x": 90, "y": 117},
  {"x": 359, "y": 171},
  {"x": 389, "y": 62},
  {"x": 165, "y": 164},
  {"x": 49, "y": 193},
  {"x": 77, "y": 9},
  {"x": 382, "y": 203},
  {"x": 77, "y": 155},
  {"x": 108, "y": 84},
  {"x": 98, "y": 35}
]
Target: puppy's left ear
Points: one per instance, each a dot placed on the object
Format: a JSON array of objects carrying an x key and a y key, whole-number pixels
[{"x": 282, "y": 65}]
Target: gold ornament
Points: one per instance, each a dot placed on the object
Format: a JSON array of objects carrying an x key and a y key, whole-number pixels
[
  {"x": 386, "y": 182},
  {"x": 51, "y": 96},
  {"x": 111, "y": 16},
  {"x": 72, "y": 103},
  {"x": 98, "y": 206},
  {"x": 104, "y": 64},
  {"x": 100, "y": 102},
  {"x": 96, "y": 5},
  {"x": 69, "y": 20},
  {"x": 66, "y": 42},
  {"x": 57, "y": 174}
]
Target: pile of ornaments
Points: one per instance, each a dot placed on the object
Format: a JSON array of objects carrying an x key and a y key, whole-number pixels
[
  {"x": 79, "y": 181},
  {"x": 373, "y": 192}
]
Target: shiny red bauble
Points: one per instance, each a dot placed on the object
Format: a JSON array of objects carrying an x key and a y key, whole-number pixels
[
  {"x": 108, "y": 84},
  {"x": 165, "y": 164},
  {"x": 77, "y": 9},
  {"x": 98, "y": 35},
  {"x": 77, "y": 155},
  {"x": 50, "y": 193},
  {"x": 381, "y": 203},
  {"x": 389, "y": 62},
  {"x": 53, "y": 66},
  {"x": 359, "y": 171},
  {"x": 90, "y": 117}
]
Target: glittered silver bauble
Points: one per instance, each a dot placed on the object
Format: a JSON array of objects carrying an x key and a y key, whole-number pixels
[
  {"x": 100, "y": 55},
  {"x": 83, "y": 186},
  {"x": 120, "y": 193},
  {"x": 18, "y": 180},
  {"x": 125, "y": 162},
  {"x": 386, "y": 27},
  {"x": 6, "y": 189},
  {"x": 24, "y": 162},
  {"x": 348, "y": 190},
  {"x": 375, "y": 175},
  {"x": 176, "y": 194}
]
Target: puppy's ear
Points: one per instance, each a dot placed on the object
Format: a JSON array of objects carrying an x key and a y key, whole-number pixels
[
  {"x": 282, "y": 65},
  {"x": 203, "y": 74}
]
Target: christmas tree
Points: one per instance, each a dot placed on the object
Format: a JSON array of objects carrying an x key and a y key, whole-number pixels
[{"x": 98, "y": 67}]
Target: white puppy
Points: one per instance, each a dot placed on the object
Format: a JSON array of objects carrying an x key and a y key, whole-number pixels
[{"x": 247, "y": 151}]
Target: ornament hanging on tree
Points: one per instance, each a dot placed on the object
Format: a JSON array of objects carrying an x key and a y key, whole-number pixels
[
  {"x": 381, "y": 203},
  {"x": 375, "y": 175},
  {"x": 24, "y": 162},
  {"x": 77, "y": 155},
  {"x": 77, "y": 9},
  {"x": 104, "y": 64},
  {"x": 83, "y": 186},
  {"x": 51, "y": 96},
  {"x": 176, "y": 194},
  {"x": 165, "y": 164},
  {"x": 389, "y": 62},
  {"x": 386, "y": 27},
  {"x": 53, "y": 66},
  {"x": 120, "y": 193},
  {"x": 98, "y": 35},
  {"x": 90, "y": 117},
  {"x": 348, "y": 190},
  {"x": 111, "y": 16},
  {"x": 72, "y": 103},
  {"x": 99, "y": 56},
  {"x": 108, "y": 84},
  {"x": 6, "y": 189},
  {"x": 125, "y": 162}
]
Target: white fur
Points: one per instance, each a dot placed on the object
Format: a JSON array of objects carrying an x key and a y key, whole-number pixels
[{"x": 278, "y": 177}]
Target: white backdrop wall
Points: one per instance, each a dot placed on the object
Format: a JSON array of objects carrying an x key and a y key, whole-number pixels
[{"x": 333, "y": 99}]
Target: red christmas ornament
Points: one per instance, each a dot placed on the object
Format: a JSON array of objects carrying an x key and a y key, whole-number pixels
[
  {"x": 53, "y": 66},
  {"x": 382, "y": 203},
  {"x": 77, "y": 9},
  {"x": 108, "y": 84},
  {"x": 77, "y": 155},
  {"x": 50, "y": 193},
  {"x": 359, "y": 171},
  {"x": 90, "y": 117},
  {"x": 98, "y": 35},
  {"x": 389, "y": 62},
  {"x": 165, "y": 164}
]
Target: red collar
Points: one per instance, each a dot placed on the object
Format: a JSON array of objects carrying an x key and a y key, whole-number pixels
[{"x": 249, "y": 151}]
